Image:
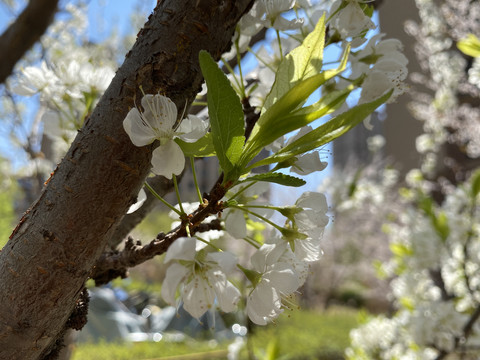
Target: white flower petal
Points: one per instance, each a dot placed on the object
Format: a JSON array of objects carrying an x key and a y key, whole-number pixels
[
  {"x": 181, "y": 249},
  {"x": 236, "y": 224},
  {"x": 282, "y": 278},
  {"x": 267, "y": 254},
  {"x": 283, "y": 24},
  {"x": 263, "y": 303},
  {"x": 227, "y": 294},
  {"x": 313, "y": 200},
  {"x": 141, "y": 197},
  {"x": 168, "y": 159},
  {"x": 175, "y": 273},
  {"x": 308, "y": 163},
  {"x": 224, "y": 259},
  {"x": 198, "y": 296},
  {"x": 309, "y": 249},
  {"x": 160, "y": 112},
  {"x": 192, "y": 128},
  {"x": 140, "y": 134},
  {"x": 375, "y": 85}
]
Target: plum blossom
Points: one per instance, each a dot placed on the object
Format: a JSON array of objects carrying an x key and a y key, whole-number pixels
[
  {"x": 389, "y": 68},
  {"x": 273, "y": 11},
  {"x": 273, "y": 281},
  {"x": 311, "y": 222},
  {"x": 157, "y": 122},
  {"x": 267, "y": 13},
  {"x": 350, "y": 21},
  {"x": 35, "y": 79},
  {"x": 202, "y": 277}
]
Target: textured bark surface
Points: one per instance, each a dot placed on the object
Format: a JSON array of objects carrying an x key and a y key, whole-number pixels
[
  {"x": 24, "y": 32},
  {"x": 50, "y": 254}
]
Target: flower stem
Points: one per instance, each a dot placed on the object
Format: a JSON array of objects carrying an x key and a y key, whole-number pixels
[
  {"x": 239, "y": 62},
  {"x": 239, "y": 85},
  {"x": 208, "y": 243},
  {"x": 166, "y": 203},
  {"x": 182, "y": 212},
  {"x": 279, "y": 44},
  {"x": 192, "y": 165},
  {"x": 242, "y": 190},
  {"x": 252, "y": 242},
  {"x": 263, "y": 218}
]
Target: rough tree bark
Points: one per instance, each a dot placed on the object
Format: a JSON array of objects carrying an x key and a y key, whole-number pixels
[
  {"x": 50, "y": 253},
  {"x": 24, "y": 32}
]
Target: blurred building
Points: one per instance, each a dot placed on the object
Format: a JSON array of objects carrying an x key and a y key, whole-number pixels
[{"x": 399, "y": 127}]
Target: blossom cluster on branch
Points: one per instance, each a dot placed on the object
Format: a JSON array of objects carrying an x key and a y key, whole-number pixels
[
  {"x": 434, "y": 236},
  {"x": 291, "y": 87}
]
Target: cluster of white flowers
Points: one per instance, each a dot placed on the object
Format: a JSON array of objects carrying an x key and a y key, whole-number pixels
[
  {"x": 278, "y": 268},
  {"x": 280, "y": 263},
  {"x": 69, "y": 79},
  {"x": 436, "y": 289}
]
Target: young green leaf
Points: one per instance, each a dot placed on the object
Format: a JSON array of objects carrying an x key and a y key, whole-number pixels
[
  {"x": 302, "y": 117},
  {"x": 203, "y": 147},
  {"x": 325, "y": 133},
  {"x": 226, "y": 116},
  {"x": 277, "y": 178},
  {"x": 475, "y": 180},
  {"x": 301, "y": 63},
  {"x": 277, "y": 120},
  {"x": 470, "y": 45}
]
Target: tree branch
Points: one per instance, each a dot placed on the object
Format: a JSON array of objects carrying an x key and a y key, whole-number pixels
[
  {"x": 116, "y": 263},
  {"x": 24, "y": 32}
]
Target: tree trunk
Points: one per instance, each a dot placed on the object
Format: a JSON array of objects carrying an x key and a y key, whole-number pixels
[{"x": 50, "y": 254}]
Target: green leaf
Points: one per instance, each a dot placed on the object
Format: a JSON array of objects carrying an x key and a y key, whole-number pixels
[
  {"x": 302, "y": 117},
  {"x": 226, "y": 116},
  {"x": 277, "y": 178},
  {"x": 325, "y": 133},
  {"x": 470, "y": 45},
  {"x": 400, "y": 250},
  {"x": 278, "y": 119},
  {"x": 301, "y": 63},
  {"x": 440, "y": 224},
  {"x": 426, "y": 204},
  {"x": 203, "y": 147},
  {"x": 475, "y": 180}
]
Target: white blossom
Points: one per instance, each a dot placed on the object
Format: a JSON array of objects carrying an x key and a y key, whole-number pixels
[
  {"x": 35, "y": 79},
  {"x": 310, "y": 221},
  {"x": 202, "y": 277},
  {"x": 157, "y": 122},
  {"x": 276, "y": 281},
  {"x": 350, "y": 21}
]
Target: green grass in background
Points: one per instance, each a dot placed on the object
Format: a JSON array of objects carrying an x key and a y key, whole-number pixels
[
  {"x": 309, "y": 335},
  {"x": 302, "y": 335},
  {"x": 150, "y": 350}
]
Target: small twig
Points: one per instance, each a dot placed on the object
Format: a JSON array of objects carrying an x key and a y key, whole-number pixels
[{"x": 113, "y": 264}]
